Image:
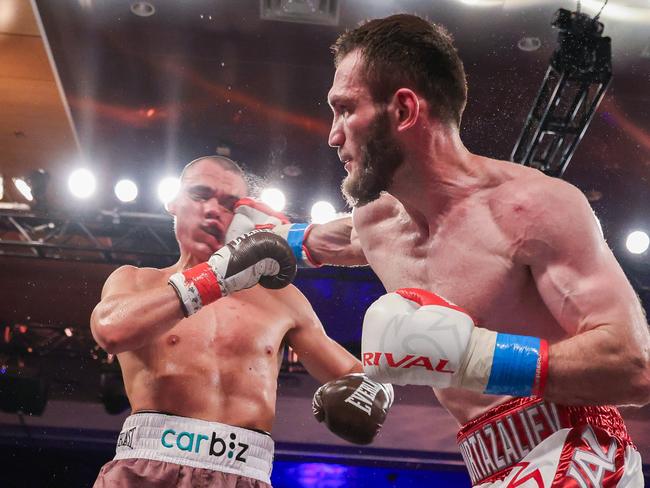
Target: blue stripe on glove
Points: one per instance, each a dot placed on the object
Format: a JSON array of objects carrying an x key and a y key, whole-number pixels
[{"x": 514, "y": 365}]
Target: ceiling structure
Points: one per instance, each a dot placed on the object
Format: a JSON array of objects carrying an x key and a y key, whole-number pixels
[
  {"x": 35, "y": 127},
  {"x": 148, "y": 94},
  {"x": 139, "y": 96}
]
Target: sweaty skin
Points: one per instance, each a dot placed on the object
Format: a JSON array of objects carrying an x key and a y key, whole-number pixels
[
  {"x": 222, "y": 363},
  {"x": 520, "y": 251}
]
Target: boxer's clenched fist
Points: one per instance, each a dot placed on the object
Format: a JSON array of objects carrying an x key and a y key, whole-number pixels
[{"x": 258, "y": 256}]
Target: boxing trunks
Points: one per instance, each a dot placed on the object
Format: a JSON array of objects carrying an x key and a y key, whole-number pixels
[
  {"x": 159, "y": 450},
  {"x": 532, "y": 443}
]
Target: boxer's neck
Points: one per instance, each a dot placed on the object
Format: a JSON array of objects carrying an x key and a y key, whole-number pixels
[
  {"x": 437, "y": 173},
  {"x": 188, "y": 260}
]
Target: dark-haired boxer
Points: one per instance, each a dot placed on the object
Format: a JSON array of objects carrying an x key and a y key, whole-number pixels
[
  {"x": 550, "y": 330},
  {"x": 200, "y": 347}
]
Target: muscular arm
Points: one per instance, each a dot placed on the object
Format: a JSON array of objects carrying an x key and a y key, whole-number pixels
[
  {"x": 323, "y": 358},
  {"x": 336, "y": 243},
  {"x": 130, "y": 314},
  {"x": 607, "y": 359}
]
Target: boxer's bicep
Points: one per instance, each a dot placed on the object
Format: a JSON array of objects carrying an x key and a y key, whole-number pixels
[
  {"x": 135, "y": 308},
  {"x": 575, "y": 272},
  {"x": 336, "y": 243},
  {"x": 120, "y": 282},
  {"x": 587, "y": 293}
]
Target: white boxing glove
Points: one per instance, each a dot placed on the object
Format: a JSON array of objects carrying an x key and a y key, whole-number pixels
[
  {"x": 415, "y": 337},
  {"x": 251, "y": 214},
  {"x": 408, "y": 344}
]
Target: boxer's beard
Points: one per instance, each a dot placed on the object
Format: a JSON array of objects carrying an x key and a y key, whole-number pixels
[{"x": 381, "y": 156}]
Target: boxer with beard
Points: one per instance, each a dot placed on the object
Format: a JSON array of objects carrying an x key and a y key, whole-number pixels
[
  {"x": 502, "y": 292},
  {"x": 381, "y": 156}
]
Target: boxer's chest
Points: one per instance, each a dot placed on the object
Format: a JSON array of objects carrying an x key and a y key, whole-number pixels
[
  {"x": 466, "y": 259},
  {"x": 251, "y": 325}
]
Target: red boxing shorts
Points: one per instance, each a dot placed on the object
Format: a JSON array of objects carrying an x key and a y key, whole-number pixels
[
  {"x": 157, "y": 450},
  {"x": 532, "y": 443}
]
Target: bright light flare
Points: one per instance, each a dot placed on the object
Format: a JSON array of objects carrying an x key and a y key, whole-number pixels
[
  {"x": 168, "y": 188},
  {"x": 637, "y": 242},
  {"x": 322, "y": 212},
  {"x": 274, "y": 198},
  {"x": 126, "y": 191},
  {"x": 82, "y": 183}
]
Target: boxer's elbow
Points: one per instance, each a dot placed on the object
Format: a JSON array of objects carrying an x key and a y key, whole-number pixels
[
  {"x": 641, "y": 381},
  {"x": 107, "y": 330},
  {"x": 637, "y": 366}
]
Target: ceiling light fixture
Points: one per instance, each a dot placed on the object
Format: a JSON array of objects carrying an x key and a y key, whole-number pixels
[
  {"x": 529, "y": 44},
  {"x": 24, "y": 189},
  {"x": 126, "y": 191},
  {"x": 324, "y": 12},
  {"x": 637, "y": 242},
  {"x": 168, "y": 188},
  {"x": 143, "y": 9},
  {"x": 82, "y": 183}
]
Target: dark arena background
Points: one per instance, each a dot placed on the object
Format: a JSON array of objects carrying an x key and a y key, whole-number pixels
[{"x": 134, "y": 90}]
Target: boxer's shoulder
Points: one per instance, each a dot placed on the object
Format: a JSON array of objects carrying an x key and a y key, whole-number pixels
[
  {"x": 288, "y": 297},
  {"x": 131, "y": 278},
  {"x": 534, "y": 211},
  {"x": 384, "y": 207},
  {"x": 530, "y": 194},
  {"x": 295, "y": 304}
]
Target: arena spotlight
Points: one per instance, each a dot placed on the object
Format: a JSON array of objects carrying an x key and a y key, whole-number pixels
[
  {"x": 322, "y": 212},
  {"x": 274, "y": 198},
  {"x": 24, "y": 189},
  {"x": 168, "y": 188},
  {"x": 126, "y": 191},
  {"x": 637, "y": 242},
  {"x": 34, "y": 188},
  {"x": 82, "y": 183}
]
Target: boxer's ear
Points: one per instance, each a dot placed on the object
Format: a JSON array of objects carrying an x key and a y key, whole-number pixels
[{"x": 405, "y": 106}]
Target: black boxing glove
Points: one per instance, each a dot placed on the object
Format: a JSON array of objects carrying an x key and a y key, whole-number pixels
[
  {"x": 256, "y": 257},
  {"x": 353, "y": 407}
]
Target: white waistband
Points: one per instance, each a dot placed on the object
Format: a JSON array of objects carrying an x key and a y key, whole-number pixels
[{"x": 196, "y": 443}]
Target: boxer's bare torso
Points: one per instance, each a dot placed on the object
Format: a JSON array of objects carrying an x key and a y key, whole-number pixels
[
  {"x": 220, "y": 364},
  {"x": 464, "y": 255}
]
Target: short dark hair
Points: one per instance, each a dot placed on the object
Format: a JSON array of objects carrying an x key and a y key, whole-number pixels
[
  {"x": 226, "y": 163},
  {"x": 407, "y": 51}
]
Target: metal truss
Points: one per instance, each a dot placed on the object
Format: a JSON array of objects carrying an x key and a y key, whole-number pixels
[
  {"x": 574, "y": 84},
  {"x": 105, "y": 236}
]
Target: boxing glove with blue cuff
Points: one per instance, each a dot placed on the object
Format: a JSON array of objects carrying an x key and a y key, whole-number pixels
[
  {"x": 251, "y": 214},
  {"x": 415, "y": 337}
]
